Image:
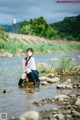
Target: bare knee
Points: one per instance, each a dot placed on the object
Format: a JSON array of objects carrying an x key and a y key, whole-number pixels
[
  {"x": 24, "y": 76},
  {"x": 28, "y": 70}
]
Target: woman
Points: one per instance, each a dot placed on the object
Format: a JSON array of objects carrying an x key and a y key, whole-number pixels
[{"x": 30, "y": 72}]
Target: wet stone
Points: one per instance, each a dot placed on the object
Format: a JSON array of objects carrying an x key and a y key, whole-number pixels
[
  {"x": 4, "y": 91},
  {"x": 59, "y": 116}
]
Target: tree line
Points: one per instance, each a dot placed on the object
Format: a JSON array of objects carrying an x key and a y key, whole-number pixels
[
  {"x": 69, "y": 28},
  {"x": 38, "y": 27}
]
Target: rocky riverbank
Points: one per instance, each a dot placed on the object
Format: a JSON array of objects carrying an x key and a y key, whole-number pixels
[
  {"x": 65, "y": 106},
  {"x": 68, "y": 108}
]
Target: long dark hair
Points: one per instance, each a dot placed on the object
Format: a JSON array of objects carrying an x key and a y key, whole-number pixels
[{"x": 30, "y": 49}]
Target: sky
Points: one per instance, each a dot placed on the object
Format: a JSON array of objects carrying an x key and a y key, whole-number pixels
[{"x": 27, "y": 9}]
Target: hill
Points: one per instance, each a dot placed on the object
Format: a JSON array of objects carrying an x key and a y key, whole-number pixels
[{"x": 69, "y": 28}]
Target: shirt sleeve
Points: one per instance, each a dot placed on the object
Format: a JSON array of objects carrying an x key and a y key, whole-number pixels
[{"x": 31, "y": 64}]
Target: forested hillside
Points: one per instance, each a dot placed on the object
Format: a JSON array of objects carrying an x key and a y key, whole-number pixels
[{"x": 69, "y": 28}]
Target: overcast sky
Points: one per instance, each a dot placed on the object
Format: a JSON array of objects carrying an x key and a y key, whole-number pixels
[{"x": 26, "y": 9}]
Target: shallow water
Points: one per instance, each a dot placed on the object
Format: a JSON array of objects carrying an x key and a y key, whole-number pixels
[{"x": 17, "y": 101}]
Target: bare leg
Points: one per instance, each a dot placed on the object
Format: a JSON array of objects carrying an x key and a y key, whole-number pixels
[
  {"x": 24, "y": 76},
  {"x": 28, "y": 70}
]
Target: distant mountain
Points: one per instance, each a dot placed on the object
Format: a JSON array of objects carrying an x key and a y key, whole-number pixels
[{"x": 11, "y": 28}]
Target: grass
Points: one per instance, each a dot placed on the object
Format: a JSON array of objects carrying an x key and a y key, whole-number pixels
[
  {"x": 66, "y": 66},
  {"x": 13, "y": 46},
  {"x": 45, "y": 69}
]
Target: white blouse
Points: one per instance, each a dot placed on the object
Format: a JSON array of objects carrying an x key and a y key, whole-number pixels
[{"x": 31, "y": 64}]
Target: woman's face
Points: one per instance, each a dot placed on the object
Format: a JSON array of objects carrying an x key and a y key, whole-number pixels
[{"x": 29, "y": 53}]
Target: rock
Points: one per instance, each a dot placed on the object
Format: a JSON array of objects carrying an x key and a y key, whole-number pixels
[
  {"x": 67, "y": 112},
  {"x": 4, "y": 91},
  {"x": 54, "y": 59},
  {"x": 76, "y": 85},
  {"x": 51, "y": 75},
  {"x": 55, "y": 109},
  {"x": 68, "y": 117},
  {"x": 36, "y": 103},
  {"x": 50, "y": 80},
  {"x": 61, "y": 97},
  {"x": 7, "y": 54},
  {"x": 13, "y": 118},
  {"x": 64, "y": 86},
  {"x": 75, "y": 113},
  {"x": 59, "y": 116},
  {"x": 61, "y": 86},
  {"x": 44, "y": 83},
  {"x": 78, "y": 56},
  {"x": 30, "y": 115},
  {"x": 53, "y": 119},
  {"x": 67, "y": 84},
  {"x": 54, "y": 80},
  {"x": 43, "y": 78},
  {"x": 43, "y": 67},
  {"x": 77, "y": 101}
]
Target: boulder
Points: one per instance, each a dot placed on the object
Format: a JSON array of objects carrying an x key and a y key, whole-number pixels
[
  {"x": 50, "y": 80},
  {"x": 61, "y": 97},
  {"x": 53, "y": 80},
  {"x": 61, "y": 86},
  {"x": 43, "y": 78},
  {"x": 30, "y": 115},
  {"x": 75, "y": 113},
  {"x": 66, "y": 84},
  {"x": 59, "y": 116},
  {"x": 51, "y": 75},
  {"x": 7, "y": 54},
  {"x": 69, "y": 86},
  {"x": 45, "y": 83},
  {"x": 78, "y": 56},
  {"x": 43, "y": 67},
  {"x": 77, "y": 102}
]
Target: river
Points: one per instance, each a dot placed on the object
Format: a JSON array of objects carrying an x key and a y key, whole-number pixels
[{"x": 17, "y": 101}]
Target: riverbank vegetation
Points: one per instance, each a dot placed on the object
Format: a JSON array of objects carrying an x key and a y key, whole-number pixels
[
  {"x": 68, "y": 29},
  {"x": 65, "y": 68},
  {"x": 14, "y": 46}
]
